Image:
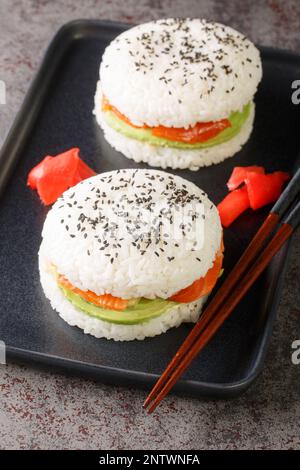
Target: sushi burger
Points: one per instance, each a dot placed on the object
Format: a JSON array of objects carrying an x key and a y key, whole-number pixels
[
  {"x": 178, "y": 93},
  {"x": 128, "y": 254}
]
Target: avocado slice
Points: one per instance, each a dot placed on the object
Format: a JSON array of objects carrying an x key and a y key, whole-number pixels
[
  {"x": 141, "y": 311},
  {"x": 237, "y": 120}
]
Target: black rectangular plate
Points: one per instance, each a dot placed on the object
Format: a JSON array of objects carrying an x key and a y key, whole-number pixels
[{"x": 57, "y": 115}]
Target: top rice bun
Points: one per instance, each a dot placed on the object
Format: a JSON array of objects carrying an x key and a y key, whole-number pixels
[
  {"x": 123, "y": 233},
  {"x": 177, "y": 72}
]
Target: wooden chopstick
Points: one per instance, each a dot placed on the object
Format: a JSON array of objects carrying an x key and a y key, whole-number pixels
[
  {"x": 245, "y": 283},
  {"x": 236, "y": 273},
  {"x": 249, "y": 255}
]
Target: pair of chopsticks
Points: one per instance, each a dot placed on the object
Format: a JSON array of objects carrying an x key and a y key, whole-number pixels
[{"x": 243, "y": 275}]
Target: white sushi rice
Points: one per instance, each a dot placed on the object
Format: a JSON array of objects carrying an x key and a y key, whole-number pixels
[
  {"x": 173, "y": 317},
  {"x": 162, "y": 270},
  {"x": 167, "y": 157},
  {"x": 77, "y": 242},
  {"x": 179, "y": 72}
]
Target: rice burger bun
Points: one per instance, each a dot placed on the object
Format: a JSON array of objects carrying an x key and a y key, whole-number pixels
[
  {"x": 138, "y": 235},
  {"x": 177, "y": 73},
  {"x": 169, "y": 157}
]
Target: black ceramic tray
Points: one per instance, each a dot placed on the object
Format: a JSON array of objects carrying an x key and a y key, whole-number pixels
[{"x": 57, "y": 115}]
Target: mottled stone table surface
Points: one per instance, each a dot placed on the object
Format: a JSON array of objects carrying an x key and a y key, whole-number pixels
[{"x": 42, "y": 410}]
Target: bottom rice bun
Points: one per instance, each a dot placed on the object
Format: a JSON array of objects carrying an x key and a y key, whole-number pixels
[
  {"x": 130, "y": 253},
  {"x": 167, "y": 156}
]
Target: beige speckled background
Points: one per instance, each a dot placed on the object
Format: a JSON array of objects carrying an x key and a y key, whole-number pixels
[{"x": 41, "y": 410}]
